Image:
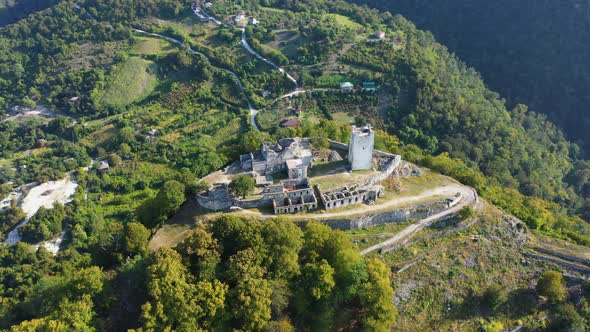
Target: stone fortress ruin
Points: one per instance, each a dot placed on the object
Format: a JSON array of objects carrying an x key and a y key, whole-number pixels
[{"x": 282, "y": 175}]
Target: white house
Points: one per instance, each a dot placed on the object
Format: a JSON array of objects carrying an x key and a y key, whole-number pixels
[
  {"x": 380, "y": 35},
  {"x": 346, "y": 86}
]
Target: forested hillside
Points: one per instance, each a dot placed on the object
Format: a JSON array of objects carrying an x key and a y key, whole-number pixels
[
  {"x": 13, "y": 10},
  {"x": 532, "y": 52}
]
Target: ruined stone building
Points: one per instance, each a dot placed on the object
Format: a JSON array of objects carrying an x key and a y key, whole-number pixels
[
  {"x": 294, "y": 157},
  {"x": 297, "y": 196},
  {"x": 360, "y": 149},
  {"x": 291, "y": 154},
  {"x": 347, "y": 196}
]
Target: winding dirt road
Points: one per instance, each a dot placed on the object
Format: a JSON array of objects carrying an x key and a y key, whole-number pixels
[
  {"x": 469, "y": 199},
  {"x": 252, "y": 110}
]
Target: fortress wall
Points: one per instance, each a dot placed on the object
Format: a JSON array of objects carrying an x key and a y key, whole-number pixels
[
  {"x": 251, "y": 203},
  {"x": 390, "y": 217},
  {"x": 224, "y": 204},
  {"x": 338, "y": 146},
  {"x": 213, "y": 204},
  {"x": 397, "y": 216}
]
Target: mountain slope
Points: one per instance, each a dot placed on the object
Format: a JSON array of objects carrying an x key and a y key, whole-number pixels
[
  {"x": 532, "y": 52},
  {"x": 13, "y": 10}
]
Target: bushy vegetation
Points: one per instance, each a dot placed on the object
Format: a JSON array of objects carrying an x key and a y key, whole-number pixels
[
  {"x": 44, "y": 225},
  {"x": 232, "y": 274},
  {"x": 10, "y": 217},
  {"x": 521, "y": 75}
]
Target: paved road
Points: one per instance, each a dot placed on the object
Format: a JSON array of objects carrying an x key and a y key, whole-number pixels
[
  {"x": 272, "y": 64},
  {"x": 469, "y": 199},
  {"x": 244, "y": 43}
]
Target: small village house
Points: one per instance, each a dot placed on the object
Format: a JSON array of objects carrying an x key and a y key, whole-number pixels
[{"x": 346, "y": 86}]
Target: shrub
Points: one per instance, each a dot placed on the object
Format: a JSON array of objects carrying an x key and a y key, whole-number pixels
[
  {"x": 493, "y": 297},
  {"x": 551, "y": 286}
]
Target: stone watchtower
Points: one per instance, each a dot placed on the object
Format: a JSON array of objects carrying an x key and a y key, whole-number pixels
[{"x": 360, "y": 149}]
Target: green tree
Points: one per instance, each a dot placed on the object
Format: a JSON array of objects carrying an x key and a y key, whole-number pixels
[
  {"x": 126, "y": 135},
  {"x": 154, "y": 212},
  {"x": 136, "y": 239},
  {"x": 67, "y": 316},
  {"x": 236, "y": 234},
  {"x": 175, "y": 303},
  {"x": 45, "y": 224},
  {"x": 11, "y": 216},
  {"x": 251, "y": 304},
  {"x": 551, "y": 286},
  {"x": 493, "y": 297},
  {"x": 466, "y": 212},
  {"x": 244, "y": 264},
  {"x": 378, "y": 311},
  {"x": 565, "y": 317},
  {"x": 284, "y": 240},
  {"x": 313, "y": 295},
  {"x": 114, "y": 159},
  {"x": 318, "y": 280},
  {"x": 201, "y": 252},
  {"x": 253, "y": 139},
  {"x": 250, "y": 299},
  {"x": 242, "y": 185}
]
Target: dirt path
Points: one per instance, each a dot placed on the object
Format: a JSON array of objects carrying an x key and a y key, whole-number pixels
[
  {"x": 469, "y": 198},
  {"x": 253, "y": 111},
  {"x": 443, "y": 191},
  {"x": 247, "y": 46}
]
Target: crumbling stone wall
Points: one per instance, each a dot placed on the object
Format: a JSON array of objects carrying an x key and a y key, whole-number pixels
[{"x": 390, "y": 217}]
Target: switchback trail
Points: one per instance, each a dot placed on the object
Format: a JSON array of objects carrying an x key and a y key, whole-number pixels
[{"x": 469, "y": 199}]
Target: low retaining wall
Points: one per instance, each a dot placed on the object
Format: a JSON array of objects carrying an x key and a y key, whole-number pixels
[
  {"x": 390, "y": 217},
  {"x": 562, "y": 256},
  {"x": 251, "y": 203},
  {"x": 213, "y": 204},
  {"x": 224, "y": 204}
]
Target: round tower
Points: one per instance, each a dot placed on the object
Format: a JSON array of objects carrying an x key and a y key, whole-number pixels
[{"x": 360, "y": 149}]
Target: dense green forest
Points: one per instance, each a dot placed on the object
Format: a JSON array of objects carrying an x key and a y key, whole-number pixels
[
  {"x": 532, "y": 52},
  {"x": 13, "y": 10}
]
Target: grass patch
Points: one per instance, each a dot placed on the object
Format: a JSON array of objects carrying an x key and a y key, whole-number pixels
[
  {"x": 152, "y": 46},
  {"x": 100, "y": 137},
  {"x": 340, "y": 179},
  {"x": 342, "y": 117},
  {"x": 131, "y": 81},
  {"x": 366, "y": 237},
  {"x": 331, "y": 81},
  {"x": 345, "y": 21}
]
